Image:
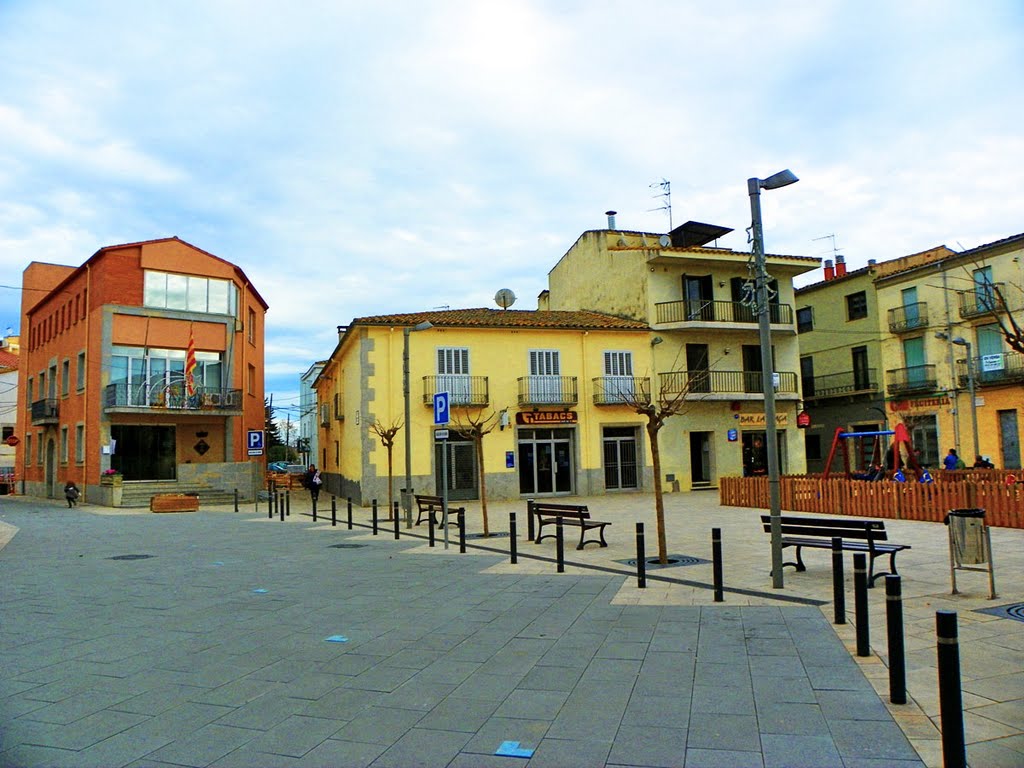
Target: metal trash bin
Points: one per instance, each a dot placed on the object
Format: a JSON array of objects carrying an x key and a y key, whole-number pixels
[{"x": 970, "y": 545}]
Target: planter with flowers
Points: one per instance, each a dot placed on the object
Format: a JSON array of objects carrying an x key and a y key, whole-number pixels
[{"x": 111, "y": 488}]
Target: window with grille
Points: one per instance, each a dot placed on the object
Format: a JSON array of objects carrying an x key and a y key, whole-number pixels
[
  {"x": 545, "y": 378},
  {"x": 453, "y": 374},
  {"x": 618, "y": 376}
]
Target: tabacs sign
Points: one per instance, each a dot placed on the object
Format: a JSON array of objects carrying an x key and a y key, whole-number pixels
[{"x": 546, "y": 417}]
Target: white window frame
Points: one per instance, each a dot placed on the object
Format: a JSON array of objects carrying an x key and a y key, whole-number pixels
[
  {"x": 619, "y": 384},
  {"x": 545, "y": 379},
  {"x": 453, "y": 374}
]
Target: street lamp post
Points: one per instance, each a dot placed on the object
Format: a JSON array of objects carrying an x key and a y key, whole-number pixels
[
  {"x": 971, "y": 384},
  {"x": 407, "y": 490},
  {"x": 754, "y": 187}
]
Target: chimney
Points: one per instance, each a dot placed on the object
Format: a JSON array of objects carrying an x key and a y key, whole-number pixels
[
  {"x": 611, "y": 218},
  {"x": 872, "y": 262},
  {"x": 840, "y": 265},
  {"x": 829, "y": 271}
]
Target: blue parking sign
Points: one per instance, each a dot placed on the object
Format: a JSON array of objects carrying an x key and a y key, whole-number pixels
[{"x": 441, "y": 412}]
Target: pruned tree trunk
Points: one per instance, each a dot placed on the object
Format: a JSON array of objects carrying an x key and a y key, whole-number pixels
[
  {"x": 659, "y": 493},
  {"x": 483, "y": 483}
]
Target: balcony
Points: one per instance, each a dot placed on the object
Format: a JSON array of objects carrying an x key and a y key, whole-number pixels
[
  {"x": 983, "y": 300},
  {"x": 548, "y": 390},
  {"x": 717, "y": 312},
  {"x": 621, "y": 390},
  {"x": 721, "y": 385},
  {"x": 171, "y": 398},
  {"x": 917, "y": 378},
  {"x": 841, "y": 384},
  {"x": 993, "y": 370},
  {"x": 909, "y": 317},
  {"x": 45, "y": 412},
  {"x": 463, "y": 391}
]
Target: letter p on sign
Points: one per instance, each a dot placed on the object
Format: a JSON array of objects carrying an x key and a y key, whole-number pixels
[{"x": 441, "y": 413}]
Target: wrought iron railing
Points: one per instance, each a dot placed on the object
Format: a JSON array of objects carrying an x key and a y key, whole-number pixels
[
  {"x": 548, "y": 390},
  {"x": 840, "y": 384},
  {"x": 699, "y": 310},
  {"x": 698, "y": 383},
  {"x": 983, "y": 300},
  {"x": 916, "y": 378},
  {"x": 173, "y": 397},
  {"x": 621, "y": 390},
  {"x": 909, "y": 317},
  {"x": 462, "y": 390},
  {"x": 991, "y": 370},
  {"x": 45, "y": 411}
]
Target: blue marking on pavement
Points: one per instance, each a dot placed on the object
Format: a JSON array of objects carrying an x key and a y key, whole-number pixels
[
  {"x": 511, "y": 749},
  {"x": 336, "y": 639},
  {"x": 260, "y": 591}
]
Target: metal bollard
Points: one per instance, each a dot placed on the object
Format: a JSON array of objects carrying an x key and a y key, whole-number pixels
[
  {"x": 349, "y": 508},
  {"x": 894, "y": 628},
  {"x": 236, "y": 499},
  {"x": 513, "y": 555},
  {"x": 272, "y": 500},
  {"x": 951, "y": 708},
  {"x": 716, "y": 560},
  {"x": 462, "y": 531},
  {"x": 270, "y": 506},
  {"x": 280, "y": 504},
  {"x": 559, "y": 544},
  {"x": 373, "y": 505},
  {"x": 860, "y": 603},
  {"x": 394, "y": 514},
  {"x": 314, "y": 509},
  {"x": 641, "y": 558},
  {"x": 529, "y": 519},
  {"x": 430, "y": 527},
  {"x": 334, "y": 511},
  {"x": 838, "y": 587},
  {"x": 288, "y": 501}
]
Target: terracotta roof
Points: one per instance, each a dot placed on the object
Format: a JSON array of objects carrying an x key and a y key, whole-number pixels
[
  {"x": 508, "y": 318},
  {"x": 8, "y": 360}
]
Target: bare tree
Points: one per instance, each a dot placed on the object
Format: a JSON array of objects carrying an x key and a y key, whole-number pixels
[
  {"x": 1002, "y": 312},
  {"x": 387, "y": 439},
  {"x": 475, "y": 427}
]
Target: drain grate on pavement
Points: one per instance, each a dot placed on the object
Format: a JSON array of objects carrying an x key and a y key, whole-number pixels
[
  {"x": 1013, "y": 611},
  {"x": 346, "y": 546},
  {"x": 130, "y": 557},
  {"x": 674, "y": 561},
  {"x": 493, "y": 535}
]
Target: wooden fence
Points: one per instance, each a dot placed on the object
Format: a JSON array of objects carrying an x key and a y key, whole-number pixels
[{"x": 1003, "y": 504}]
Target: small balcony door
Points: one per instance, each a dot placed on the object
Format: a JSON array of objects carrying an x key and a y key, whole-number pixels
[
  {"x": 453, "y": 374},
  {"x": 699, "y": 295},
  {"x": 618, "y": 377},
  {"x": 545, "y": 379},
  {"x": 697, "y": 368}
]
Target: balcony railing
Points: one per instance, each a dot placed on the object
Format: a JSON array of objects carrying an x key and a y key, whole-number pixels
[
  {"x": 172, "y": 398},
  {"x": 991, "y": 370},
  {"x": 621, "y": 390},
  {"x": 45, "y": 412},
  {"x": 462, "y": 390},
  {"x": 909, "y": 317},
  {"x": 548, "y": 390},
  {"x": 917, "y": 378},
  {"x": 695, "y": 310},
  {"x": 696, "y": 384},
  {"x": 840, "y": 384},
  {"x": 982, "y": 300}
]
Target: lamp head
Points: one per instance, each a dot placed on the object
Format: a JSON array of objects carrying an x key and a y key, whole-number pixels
[
  {"x": 780, "y": 179},
  {"x": 961, "y": 341},
  {"x": 423, "y": 326}
]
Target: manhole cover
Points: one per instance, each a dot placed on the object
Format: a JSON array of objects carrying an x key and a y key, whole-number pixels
[
  {"x": 347, "y": 546},
  {"x": 130, "y": 557},
  {"x": 1013, "y": 611},
  {"x": 674, "y": 561}
]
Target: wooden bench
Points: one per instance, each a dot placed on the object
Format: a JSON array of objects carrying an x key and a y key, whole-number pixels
[
  {"x": 433, "y": 506},
  {"x": 173, "y": 502},
  {"x": 571, "y": 514},
  {"x": 857, "y": 535}
]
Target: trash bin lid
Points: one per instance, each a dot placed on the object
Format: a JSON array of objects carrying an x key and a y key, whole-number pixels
[{"x": 964, "y": 513}]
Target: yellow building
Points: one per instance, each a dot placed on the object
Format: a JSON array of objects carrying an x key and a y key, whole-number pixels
[
  {"x": 944, "y": 323},
  {"x": 554, "y": 387},
  {"x": 705, "y": 341}
]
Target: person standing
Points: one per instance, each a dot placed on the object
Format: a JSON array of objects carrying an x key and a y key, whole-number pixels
[
  {"x": 71, "y": 493},
  {"x": 951, "y": 460},
  {"x": 313, "y": 482}
]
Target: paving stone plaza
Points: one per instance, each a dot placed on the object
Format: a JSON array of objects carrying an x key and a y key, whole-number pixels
[{"x": 229, "y": 639}]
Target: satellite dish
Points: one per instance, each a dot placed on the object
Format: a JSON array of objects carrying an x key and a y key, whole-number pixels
[
  {"x": 504, "y": 298},
  {"x": 665, "y": 241}
]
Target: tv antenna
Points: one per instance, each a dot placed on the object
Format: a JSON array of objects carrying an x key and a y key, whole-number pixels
[
  {"x": 832, "y": 237},
  {"x": 666, "y": 193}
]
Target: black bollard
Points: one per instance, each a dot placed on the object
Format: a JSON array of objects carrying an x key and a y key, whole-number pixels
[
  {"x": 838, "y": 588},
  {"x": 334, "y": 511},
  {"x": 236, "y": 499},
  {"x": 462, "y": 530},
  {"x": 951, "y": 708},
  {"x": 349, "y": 507},
  {"x": 529, "y": 519},
  {"x": 894, "y": 627},
  {"x": 280, "y": 504},
  {"x": 272, "y": 501},
  {"x": 716, "y": 562},
  {"x": 513, "y": 556},
  {"x": 373, "y": 506},
  {"x": 288, "y": 501},
  {"x": 314, "y": 509},
  {"x": 430, "y": 527},
  {"x": 394, "y": 514},
  {"x": 641, "y": 558},
  {"x": 270, "y": 506},
  {"x": 860, "y": 603},
  {"x": 560, "y": 544}
]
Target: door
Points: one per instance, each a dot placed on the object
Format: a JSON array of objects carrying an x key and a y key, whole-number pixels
[
  {"x": 1009, "y": 439},
  {"x": 743, "y": 300},
  {"x": 144, "y": 452},
  {"x": 699, "y": 295},
  {"x": 51, "y": 466},
  {"x": 990, "y": 364},
  {"x": 699, "y": 379},
  {"x": 807, "y": 376},
  {"x": 545, "y": 461},
  {"x": 913, "y": 357},
  {"x": 618, "y": 377},
  {"x": 620, "y": 458},
  {"x": 462, "y": 468},
  {"x": 453, "y": 374},
  {"x": 911, "y": 309},
  {"x": 545, "y": 381},
  {"x": 984, "y": 291},
  {"x": 752, "y": 368},
  {"x": 861, "y": 372},
  {"x": 700, "y": 458}
]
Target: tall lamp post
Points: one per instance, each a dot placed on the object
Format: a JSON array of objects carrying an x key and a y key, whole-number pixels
[
  {"x": 754, "y": 187},
  {"x": 407, "y": 491},
  {"x": 960, "y": 341}
]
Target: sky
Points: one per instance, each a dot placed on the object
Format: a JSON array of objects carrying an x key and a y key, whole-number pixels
[{"x": 366, "y": 158}]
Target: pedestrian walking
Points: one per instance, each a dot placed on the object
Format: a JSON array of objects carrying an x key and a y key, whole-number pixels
[
  {"x": 71, "y": 493},
  {"x": 313, "y": 482}
]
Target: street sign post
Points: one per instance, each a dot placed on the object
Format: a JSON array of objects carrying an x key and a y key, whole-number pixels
[
  {"x": 254, "y": 442},
  {"x": 442, "y": 414}
]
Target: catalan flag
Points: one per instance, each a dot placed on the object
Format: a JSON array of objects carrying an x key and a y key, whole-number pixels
[{"x": 190, "y": 366}]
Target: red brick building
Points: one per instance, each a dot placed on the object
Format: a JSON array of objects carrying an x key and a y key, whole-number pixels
[{"x": 108, "y": 382}]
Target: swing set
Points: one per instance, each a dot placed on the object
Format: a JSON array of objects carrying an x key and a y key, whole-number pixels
[{"x": 899, "y": 454}]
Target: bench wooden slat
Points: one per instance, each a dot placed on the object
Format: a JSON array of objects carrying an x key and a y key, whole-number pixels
[{"x": 571, "y": 514}]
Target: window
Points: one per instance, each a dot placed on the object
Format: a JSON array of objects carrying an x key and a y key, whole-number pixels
[
  {"x": 856, "y": 306},
  {"x": 251, "y": 379},
  {"x": 156, "y": 376},
  {"x": 28, "y": 392},
  {"x": 63, "y": 445},
  {"x": 618, "y": 377},
  {"x": 28, "y": 450},
  {"x": 805, "y": 319},
  {"x": 165, "y": 290},
  {"x": 337, "y": 453},
  {"x": 65, "y": 378},
  {"x": 861, "y": 372},
  {"x": 813, "y": 445},
  {"x": 39, "y": 448},
  {"x": 6, "y": 432},
  {"x": 80, "y": 372},
  {"x": 325, "y": 415},
  {"x": 251, "y": 326},
  {"x": 984, "y": 292},
  {"x": 453, "y": 374},
  {"x": 807, "y": 375},
  {"x": 79, "y": 443},
  {"x": 545, "y": 381}
]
